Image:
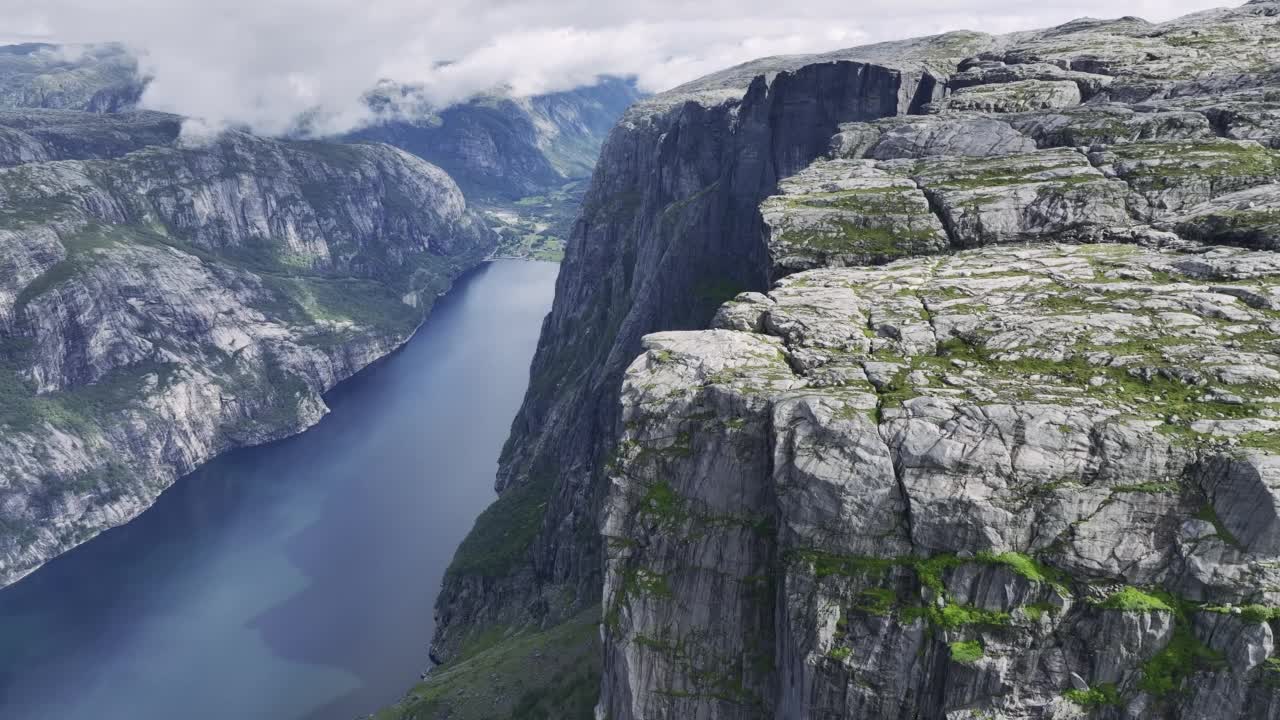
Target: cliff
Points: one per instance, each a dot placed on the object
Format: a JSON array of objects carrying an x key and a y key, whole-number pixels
[
  {"x": 1030, "y": 481},
  {"x": 669, "y": 229},
  {"x": 523, "y": 161},
  {"x": 996, "y": 446},
  {"x": 163, "y": 302}
]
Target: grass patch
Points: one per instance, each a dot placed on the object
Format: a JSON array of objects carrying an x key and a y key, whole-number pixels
[
  {"x": 951, "y": 617},
  {"x": 1148, "y": 487},
  {"x": 502, "y": 533},
  {"x": 1260, "y": 440},
  {"x": 877, "y": 601},
  {"x": 1035, "y": 611},
  {"x": 930, "y": 570},
  {"x": 967, "y": 651},
  {"x": 366, "y": 303},
  {"x": 664, "y": 503},
  {"x": 1101, "y": 695},
  {"x": 1209, "y": 515},
  {"x": 877, "y": 243},
  {"x": 1248, "y": 613},
  {"x": 79, "y": 247},
  {"x": 1131, "y": 599},
  {"x": 554, "y": 673},
  {"x": 1200, "y": 160},
  {"x": 1026, "y": 566},
  {"x": 1165, "y": 673},
  {"x": 17, "y": 398}
]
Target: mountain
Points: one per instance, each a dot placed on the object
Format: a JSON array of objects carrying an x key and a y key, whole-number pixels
[
  {"x": 94, "y": 78},
  {"x": 525, "y": 161},
  {"x": 501, "y": 147},
  {"x": 162, "y": 302},
  {"x": 522, "y": 161},
  {"x": 986, "y": 427},
  {"x": 32, "y": 135}
]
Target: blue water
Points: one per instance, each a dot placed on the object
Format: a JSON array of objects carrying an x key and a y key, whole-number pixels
[{"x": 296, "y": 580}]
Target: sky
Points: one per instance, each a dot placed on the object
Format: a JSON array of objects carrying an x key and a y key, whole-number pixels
[{"x": 265, "y": 63}]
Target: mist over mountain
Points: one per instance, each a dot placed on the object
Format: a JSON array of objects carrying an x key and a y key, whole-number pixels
[{"x": 265, "y": 65}]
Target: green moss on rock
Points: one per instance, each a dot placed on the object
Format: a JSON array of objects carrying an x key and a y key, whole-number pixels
[
  {"x": 1101, "y": 695},
  {"x": 966, "y": 652},
  {"x": 1131, "y": 599},
  {"x": 503, "y": 532}
]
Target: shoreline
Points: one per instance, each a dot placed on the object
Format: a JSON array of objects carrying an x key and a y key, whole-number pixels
[{"x": 322, "y": 396}]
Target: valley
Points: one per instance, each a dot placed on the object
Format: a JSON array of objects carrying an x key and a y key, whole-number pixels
[{"x": 935, "y": 377}]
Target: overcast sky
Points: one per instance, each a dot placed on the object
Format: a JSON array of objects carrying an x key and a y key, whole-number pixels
[{"x": 263, "y": 62}]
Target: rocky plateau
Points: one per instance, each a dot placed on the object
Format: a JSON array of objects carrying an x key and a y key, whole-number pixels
[{"x": 937, "y": 378}]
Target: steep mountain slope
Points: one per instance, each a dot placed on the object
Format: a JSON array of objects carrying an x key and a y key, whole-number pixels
[
  {"x": 95, "y": 78},
  {"x": 992, "y": 484},
  {"x": 525, "y": 161},
  {"x": 28, "y": 135},
  {"x": 522, "y": 161},
  {"x": 167, "y": 304},
  {"x": 502, "y": 147},
  {"x": 668, "y": 231}
]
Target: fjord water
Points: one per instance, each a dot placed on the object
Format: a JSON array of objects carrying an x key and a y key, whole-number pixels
[{"x": 293, "y": 581}]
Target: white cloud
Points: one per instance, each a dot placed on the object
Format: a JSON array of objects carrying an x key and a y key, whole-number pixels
[{"x": 265, "y": 63}]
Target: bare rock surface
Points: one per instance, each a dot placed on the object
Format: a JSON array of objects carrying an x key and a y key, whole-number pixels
[
  {"x": 161, "y": 302},
  {"x": 990, "y": 432},
  {"x": 1007, "y": 467}
]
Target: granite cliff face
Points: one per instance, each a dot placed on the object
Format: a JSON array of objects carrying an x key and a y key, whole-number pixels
[
  {"x": 999, "y": 443},
  {"x": 668, "y": 230},
  {"x": 1031, "y": 481},
  {"x": 162, "y": 302}
]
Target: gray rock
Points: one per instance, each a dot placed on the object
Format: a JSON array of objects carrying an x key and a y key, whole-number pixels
[
  {"x": 848, "y": 212},
  {"x": 1245, "y": 643},
  {"x": 1249, "y": 118},
  {"x": 1245, "y": 496},
  {"x": 744, "y": 313},
  {"x": 175, "y": 302},
  {"x": 1078, "y": 682},
  {"x": 950, "y": 135},
  {"x": 1109, "y": 124},
  {"x": 1170, "y": 178},
  {"x": 854, "y": 140},
  {"x": 1032, "y": 479},
  {"x": 40, "y": 135},
  {"x": 94, "y": 78},
  {"x": 1044, "y": 195},
  {"x": 1019, "y": 96},
  {"x": 1089, "y": 84},
  {"x": 1248, "y": 218},
  {"x": 976, "y": 444}
]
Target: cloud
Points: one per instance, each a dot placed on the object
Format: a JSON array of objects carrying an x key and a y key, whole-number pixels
[{"x": 267, "y": 63}]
